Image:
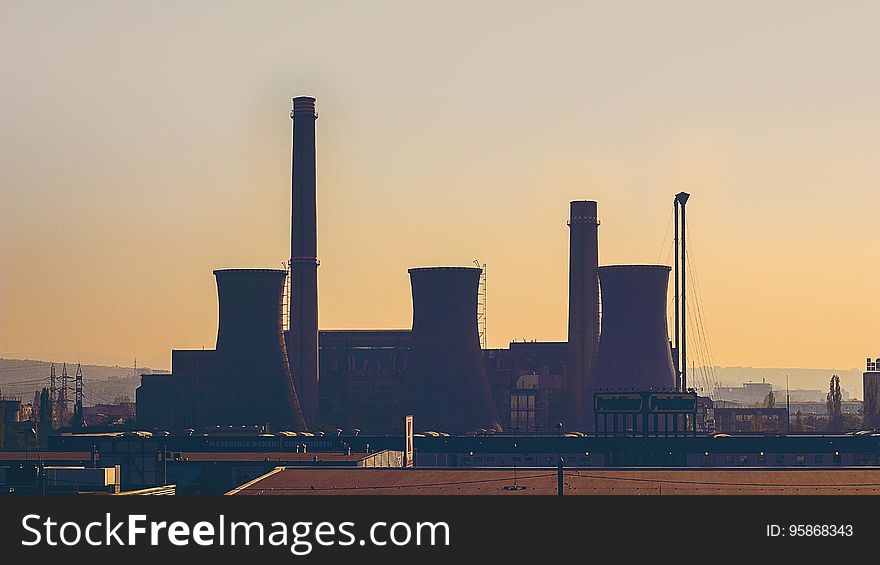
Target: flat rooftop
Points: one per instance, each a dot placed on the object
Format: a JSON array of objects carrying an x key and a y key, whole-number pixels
[
  {"x": 271, "y": 456},
  {"x": 6, "y": 456},
  {"x": 745, "y": 481}
]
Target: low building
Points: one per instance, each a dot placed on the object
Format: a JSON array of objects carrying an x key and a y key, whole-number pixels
[
  {"x": 154, "y": 400},
  {"x": 108, "y": 414},
  {"x": 216, "y": 473},
  {"x": 749, "y": 394},
  {"x": 31, "y": 478},
  {"x": 747, "y": 420}
]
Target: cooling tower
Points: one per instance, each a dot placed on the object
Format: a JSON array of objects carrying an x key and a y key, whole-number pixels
[
  {"x": 583, "y": 311},
  {"x": 634, "y": 350},
  {"x": 448, "y": 389},
  {"x": 303, "y": 334},
  {"x": 254, "y": 385}
]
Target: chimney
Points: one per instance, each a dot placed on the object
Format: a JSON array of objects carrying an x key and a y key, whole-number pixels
[
  {"x": 583, "y": 312},
  {"x": 303, "y": 299}
]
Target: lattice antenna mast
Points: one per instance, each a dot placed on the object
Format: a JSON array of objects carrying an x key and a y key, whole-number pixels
[
  {"x": 63, "y": 398},
  {"x": 79, "y": 388},
  {"x": 53, "y": 391},
  {"x": 53, "y": 396}
]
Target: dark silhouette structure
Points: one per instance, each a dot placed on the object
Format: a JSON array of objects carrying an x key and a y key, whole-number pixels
[
  {"x": 583, "y": 311},
  {"x": 303, "y": 335},
  {"x": 680, "y": 275},
  {"x": 448, "y": 389},
  {"x": 253, "y": 383},
  {"x": 634, "y": 352}
]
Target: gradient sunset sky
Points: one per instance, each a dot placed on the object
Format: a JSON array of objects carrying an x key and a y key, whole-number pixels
[{"x": 144, "y": 144}]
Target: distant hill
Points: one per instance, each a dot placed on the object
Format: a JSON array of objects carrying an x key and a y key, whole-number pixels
[{"x": 101, "y": 384}]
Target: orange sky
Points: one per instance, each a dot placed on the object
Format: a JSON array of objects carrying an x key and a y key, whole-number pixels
[{"x": 145, "y": 144}]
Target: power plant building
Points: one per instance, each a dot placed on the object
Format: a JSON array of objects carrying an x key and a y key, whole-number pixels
[
  {"x": 362, "y": 373},
  {"x": 261, "y": 375}
]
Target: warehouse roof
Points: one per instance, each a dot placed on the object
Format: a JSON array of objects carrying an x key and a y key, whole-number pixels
[{"x": 427, "y": 481}]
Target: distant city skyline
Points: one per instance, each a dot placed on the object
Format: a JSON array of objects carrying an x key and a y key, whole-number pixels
[{"x": 142, "y": 151}]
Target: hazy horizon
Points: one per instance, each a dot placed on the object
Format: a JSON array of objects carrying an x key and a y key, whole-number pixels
[{"x": 145, "y": 145}]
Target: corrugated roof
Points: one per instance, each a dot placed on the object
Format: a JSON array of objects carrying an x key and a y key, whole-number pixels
[{"x": 299, "y": 481}]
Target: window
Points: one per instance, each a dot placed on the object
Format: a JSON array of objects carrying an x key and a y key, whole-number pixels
[
  {"x": 517, "y": 459},
  {"x": 762, "y": 458},
  {"x": 780, "y": 459},
  {"x": 490, "y": 459},
  {"x": 800, "y": 459},
  {"x": 706, "y": 459},
  {"x": 820, "y": 459},
  {"x": 743, "y": 459},
  {"x": 728, "y": 459},
  {"x": 837, "y": 458}
]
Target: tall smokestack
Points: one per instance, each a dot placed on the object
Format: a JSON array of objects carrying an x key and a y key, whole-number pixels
[
  {"x": 583, "y": 312},
  {"x": 303, "y": 315}
]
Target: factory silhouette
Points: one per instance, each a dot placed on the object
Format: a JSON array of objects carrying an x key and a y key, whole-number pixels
[{"x": 301, "y": 378}]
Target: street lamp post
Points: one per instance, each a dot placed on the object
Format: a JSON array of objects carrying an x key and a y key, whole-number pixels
[{"x": 40, "y": 476}]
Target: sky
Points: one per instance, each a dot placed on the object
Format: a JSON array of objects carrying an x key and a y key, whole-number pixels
[{"x": 144, "y": 144}]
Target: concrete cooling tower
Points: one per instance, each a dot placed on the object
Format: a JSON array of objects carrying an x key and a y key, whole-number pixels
[
  {"x": 448, "y": 389},
  {"x": 634, "y": 352},
  {"x": 254, "y": 384}
]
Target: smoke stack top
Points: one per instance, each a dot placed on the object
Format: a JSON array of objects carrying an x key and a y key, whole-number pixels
[
  {"x": 584, "y": 211},
  {"x": 303, "y": 106}
]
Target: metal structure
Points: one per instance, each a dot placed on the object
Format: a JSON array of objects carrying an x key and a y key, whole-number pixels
[
  {"x": 681, "y": 281},
  {"x": 583, "y": 310},
  {"x": 53, "y": 389},
  {"x": 63, "y": 397},
  {"x": 78, "y": 395},
  {"x": 634, "y": 352},
  {"x": 644, "y": 414},
  {"x": 448, "y": 388},
  {"x": 254, "y": 385},
  {"x": 481, "y": 305},
  {"x": 303, "y": 302}
]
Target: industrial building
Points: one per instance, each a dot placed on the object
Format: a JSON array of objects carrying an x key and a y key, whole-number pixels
[
  {"x": 362, "y": 372},
  {"x": 871, "y": 392}
]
